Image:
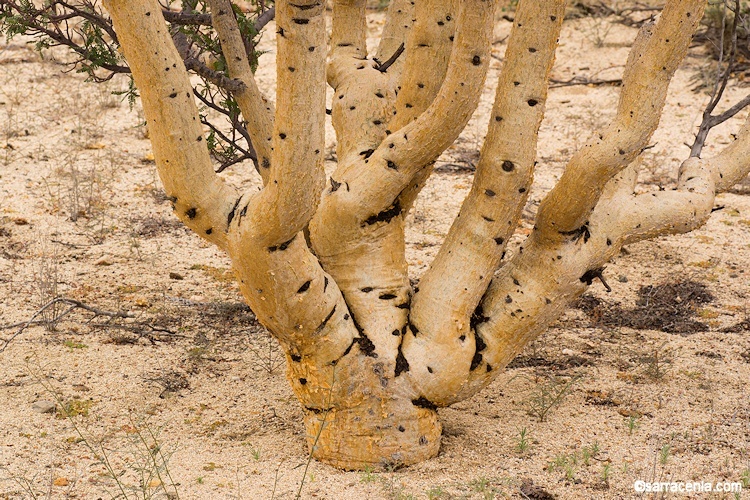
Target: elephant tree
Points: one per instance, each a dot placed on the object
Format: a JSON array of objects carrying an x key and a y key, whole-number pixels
[{"x": 321, "y": 260}]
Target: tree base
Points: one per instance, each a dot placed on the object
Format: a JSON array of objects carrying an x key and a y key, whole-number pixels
[{"x": 376, "y": 435}]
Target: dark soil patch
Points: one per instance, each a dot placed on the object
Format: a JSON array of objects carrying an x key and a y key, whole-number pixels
[
  {"x": 742, "y": 326},
  {"x": 668, "y": 307}
]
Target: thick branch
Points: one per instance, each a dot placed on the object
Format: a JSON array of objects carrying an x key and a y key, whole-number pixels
[
  {"x": 288, "y": 201},
  {"x": 653, "y": 60},
  {"x": 457, "y": 279},
  {"x": 398, "y": 21},
  {"x": 255, "y": 107},
  {"x": 201, "y": 200}
]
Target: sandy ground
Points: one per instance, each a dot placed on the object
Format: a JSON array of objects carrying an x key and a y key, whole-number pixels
[{"x": 188, "y": 397}]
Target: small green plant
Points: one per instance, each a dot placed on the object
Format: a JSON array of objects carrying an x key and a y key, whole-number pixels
[
  {"x": 664, "y": 454},
  {"x": 367, "y": 475},
  {"x": 745, "y": 479},
  {"x": 570, "y": 464},
  {"x": 199, "y": 480},
  {"x": 548, "y": 394},
  {"x": 632, "y": 423},
  {"x": 435, "y": 493},
  {"x": 72, "y": 344},
  {"x": 523, "y": 441},
  {"x": 606, "y": 471}
]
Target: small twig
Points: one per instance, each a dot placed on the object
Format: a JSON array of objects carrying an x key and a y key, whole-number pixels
[
  {"x": 582, "y": 80},
  {"x": 387, "y": 64},
  {"x": 74, "y": 304},
  {"x": 709, "y": 120}
]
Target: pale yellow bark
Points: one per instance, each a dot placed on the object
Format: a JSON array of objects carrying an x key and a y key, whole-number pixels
[
  {"x": 255, "y": 107},
  {"x": 653, "y": 60},
  {"x": 458, "y": 277},
  {"x": 200, "y": 198}
]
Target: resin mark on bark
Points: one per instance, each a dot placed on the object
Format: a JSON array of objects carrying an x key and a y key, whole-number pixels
[
  {"x": 365, "y": 344},
  {"x": 325, "y": 321},
  {"x": 423, "y": 402},
  {"x": 305, "y": 287},
  {"x": 480, "y": 346},
  {"x": 386, "y": 215},
  {"x": 334, "y": 185},
  {"x": 230, "y": 216},
  {"x": 283, "y": 246},
  {"x": 581, "y": 232},
  {"x": 402, "y": 365}
]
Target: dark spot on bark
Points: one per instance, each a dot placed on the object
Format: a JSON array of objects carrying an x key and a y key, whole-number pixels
[
  {"x": 498, "y": 118},
  {"x": 325, "y": 286},
  {"x": 532, "y": 49},
  {"x": 392, "y": 165},
  {"x": 173, "y": 95},
  {"x": 283, "y": 246},
  {"x": 516, "y": 84},
  {"x": 476, "y": 361},
  {"x": 508, "y": 299},
  {"x": 489, "y": 367},
  {"x": 516, "y": 282},
  {"x": 396, "y": 333},
  {"x": 547, "y": 301},
  {"x": 441, "y": 23},
  {"x": 296, "y": 357},
  {"x": 352, "y": 108},
  {"x": 489, "y": 192},
  {"x": 477, "y": 317},
  {"x": 377, "y": 122},
  {"x": 379, "y": 94},
  {"x": 334, "y": 185},
  {"x": 280, "y": 31},
  {"x": 200, "y": 138},
  {"x": 329, "y": 112},
  {"x": 508, "y": 166},
  {"x": 303, "y": 381},
  {"x": 405, "y": 305},
  {"x": 282, "y": 135},
  {"x": 386, "y": 215},
  {"x": 553, "y": 18},
  {"x": 420, "y": 85},
  {"x": 266, "y": 163},
  {"x": 532, "y": 102},
  {"x": 148, "y": 14},
  {"x": 462, "y": 338},
  {"x": 325, "y": 321},
  {"x": 521, "y": 190},
  {"x": 366, "y": 153},
  {"x": 300, "y": 21},
  {"x": 499, "y": 240},
  {"x": 622, "y": 151},
  {"x": 366, "y": 346},
  {"x": 581, "y": 232},
  {"x": 209, "y": 230},
  {"x": 476, "y": 60},
  {"x": 409, "y": 105},
  {"x": 401, "y": 428},
  {"x": 311, "y": 49},
  {"x": 230, "y": 216},
  {"x": 305, "y": 287},
  {"x": 609, "y": 242},
  {"x": 488, "y": 219},
  {"x": 423, "y": 402},
  {"x": 413, "y": 328},
  {"x": 291, "y": 69},
  {"x": 387, "y": 296},
  {"x": 243, "y": 212},
  {"x": 423, "y": 440},
  {"x": 345, "y": 44},
  {"x": 402, "y": 365},
  {"x": 190, "y": 213},
  {"x": 366, "y": 289}
]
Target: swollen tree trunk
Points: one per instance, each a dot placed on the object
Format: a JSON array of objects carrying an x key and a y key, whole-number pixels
[{"x": 321, "y": 261}]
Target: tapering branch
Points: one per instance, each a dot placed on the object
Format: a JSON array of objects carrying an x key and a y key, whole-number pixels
[
  {"x": 398, "y": 22},
  {"x": 200, "y": 199},
  {"x": 458, "y": 277},
  {"x": 388, "y": 63},
  {"x": 256, "y": 108},
  {"x": 653, "y": 60}
]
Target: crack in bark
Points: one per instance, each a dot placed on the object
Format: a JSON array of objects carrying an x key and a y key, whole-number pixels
[
  {"x": 386, "y": 215},
  {"x": 423, "y": 402},
  {"x": 402, "y": 365}
]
